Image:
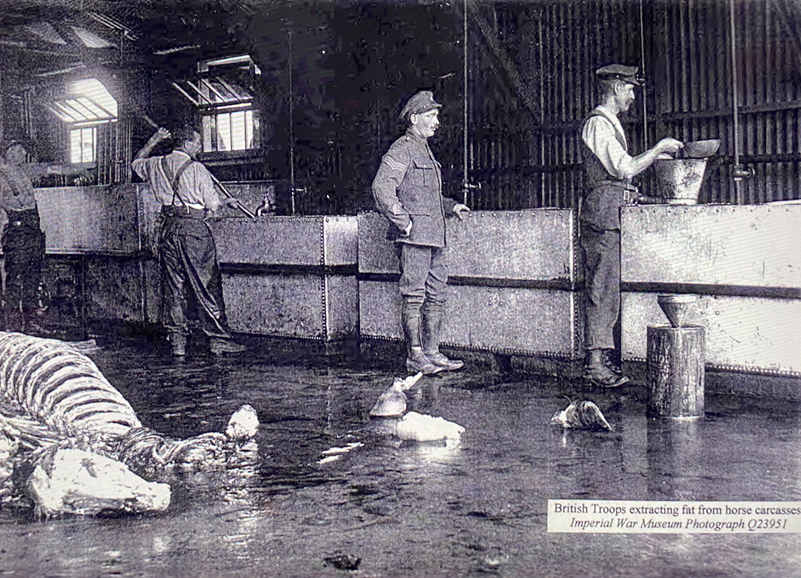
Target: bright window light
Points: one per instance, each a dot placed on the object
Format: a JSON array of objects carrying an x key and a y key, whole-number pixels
[
  {"x": 86, "y": 105},
  {"x": 93, "y": 90},
  {"x": 82, "y": 144},
  {"x": 228, "y": 131},
  {"x": 224, "y": 103}
]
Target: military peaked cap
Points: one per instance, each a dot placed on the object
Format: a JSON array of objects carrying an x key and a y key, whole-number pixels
[
  {"x": 619, "y": 72},
  {"x": 421, "y": 102}
]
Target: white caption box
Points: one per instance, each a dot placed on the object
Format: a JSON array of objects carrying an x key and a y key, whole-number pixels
[{"x": 636, "y": 517}]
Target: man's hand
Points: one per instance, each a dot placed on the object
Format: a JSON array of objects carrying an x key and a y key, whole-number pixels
[
  {"x": 161, "y": 134},
  {"x": 232, "y": 202},
  {"x": 158, "y": 136},
  {"x": 669, "y": 146},
  {"x": 84, "y": 178},
  {"x": 461, "y": 210}
]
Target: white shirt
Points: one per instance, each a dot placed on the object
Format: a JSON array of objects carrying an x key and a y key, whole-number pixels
[
  {"x": 16, "y": 185},
  {"x": 599, "y": 136},
  {"x": 195, "y": 187}
]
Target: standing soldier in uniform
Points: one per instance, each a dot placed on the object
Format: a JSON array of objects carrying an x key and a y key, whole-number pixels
[
  {"x": 184, "y": 188},
  {"x": 608, "y": 169},
  {"x": 408, "y": 192}
]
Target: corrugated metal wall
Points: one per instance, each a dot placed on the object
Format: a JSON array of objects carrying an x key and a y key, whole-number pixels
[
  {"x": 530, "y": 83},
  {"x": 688, "y": 63}
]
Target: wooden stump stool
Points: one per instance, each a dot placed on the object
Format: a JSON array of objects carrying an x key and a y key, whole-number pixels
[{"x": 676, "y": 357}]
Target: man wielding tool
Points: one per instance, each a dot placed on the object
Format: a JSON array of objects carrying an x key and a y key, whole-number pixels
[
  {"x": 23, "y": 238},
  {"x": 608, "y": 169},
  {"x": 408, "y": 192},
  {"x": 186, "y": 191}
]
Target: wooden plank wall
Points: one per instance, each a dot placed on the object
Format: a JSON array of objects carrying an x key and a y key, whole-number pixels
[
  {"x": 530, "y": 84},
  {"x": 688, "y": 95}
]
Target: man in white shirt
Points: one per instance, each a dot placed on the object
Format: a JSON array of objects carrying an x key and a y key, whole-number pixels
[
  {"x": 23, "y": 239},
  {"x": 608, "y": 169},
  {"x": 187, "y": 192}
]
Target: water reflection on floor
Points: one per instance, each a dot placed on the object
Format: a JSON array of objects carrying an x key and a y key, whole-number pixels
[{"x": 419, "y": 509}]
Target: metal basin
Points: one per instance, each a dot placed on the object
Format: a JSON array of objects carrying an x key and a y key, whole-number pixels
[
  {"x": 700, "y": 149},
  {"x": 678, "y": 181}
]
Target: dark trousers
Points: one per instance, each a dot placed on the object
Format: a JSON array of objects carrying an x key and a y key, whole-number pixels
[
  {"x": 24, "y": 250},
  {"x": 191, "y": 277},
  {"x": 424, "y": 273},
  {"x": 601, "y": 249}
]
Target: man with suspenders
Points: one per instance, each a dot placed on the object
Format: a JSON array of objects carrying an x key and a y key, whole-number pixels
[
  {"x": 608, "y": 169},
  {"x": 23, "y": 239},
  {"x": 186, "y": 191}
]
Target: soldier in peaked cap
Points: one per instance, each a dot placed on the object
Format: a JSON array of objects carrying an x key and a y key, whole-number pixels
[
  {"x": 608, "y": 170},
  {"x": 408, "y": 192},
  {"x": 627, "y": 74},
  {"x": 421, "y": 102}
]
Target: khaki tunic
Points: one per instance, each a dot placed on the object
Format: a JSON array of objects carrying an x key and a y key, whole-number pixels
[{"x": 408, "y": 188}]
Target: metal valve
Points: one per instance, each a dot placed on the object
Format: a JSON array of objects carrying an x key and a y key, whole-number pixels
[
  {"x": 266, "y": 207},
  {"x": 293, "y": 191},
  {"x": 740, "y": 172}
]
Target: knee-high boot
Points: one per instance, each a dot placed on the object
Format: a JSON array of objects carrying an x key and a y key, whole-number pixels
[
  {"x": 415, "y": 359},
  {"x": 431, "y": 325}
]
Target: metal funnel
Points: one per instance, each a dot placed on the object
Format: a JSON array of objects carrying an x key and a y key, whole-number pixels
[{"x": 677, "y": 308}]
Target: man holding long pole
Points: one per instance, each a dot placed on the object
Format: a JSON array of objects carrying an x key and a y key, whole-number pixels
[{"x": 187, "y": 192}]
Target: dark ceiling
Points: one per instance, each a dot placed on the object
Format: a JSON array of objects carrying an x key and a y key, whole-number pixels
[{"x": 51, "y": 34}]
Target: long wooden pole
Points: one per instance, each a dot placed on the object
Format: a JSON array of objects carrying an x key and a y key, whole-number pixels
[
  {"x": 239, "y": 204},
  {"x": 214, "y": 179}
]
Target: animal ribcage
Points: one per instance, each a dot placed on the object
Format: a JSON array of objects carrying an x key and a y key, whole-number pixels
[{"x": 61, "y": 387}]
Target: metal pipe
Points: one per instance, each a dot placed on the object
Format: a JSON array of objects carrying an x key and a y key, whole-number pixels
[
  {"x": 464, "y": 88},
  {"x": 541, "y": 56},
  {"x": 642, "y": 71},
  {"x": 148, "y": 120},
  {"x": 738, "y": 172},
  {"x": 225, "y": 191},
  {"x": 291, "y": 130}
]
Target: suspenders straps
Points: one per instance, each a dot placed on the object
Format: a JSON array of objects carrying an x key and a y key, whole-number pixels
[
  {"x": 173, "y": 180},
  {"x": 15, "y": 190}
]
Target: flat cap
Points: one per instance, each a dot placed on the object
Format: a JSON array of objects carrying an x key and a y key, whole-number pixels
[
  {"x": 12, "y": 143},
  {"x": 421, "y": 102},
  {"x": 619, "y": 72}
]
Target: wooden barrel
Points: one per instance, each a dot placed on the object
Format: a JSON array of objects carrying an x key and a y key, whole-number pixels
[{"x": 676, "y": 357}]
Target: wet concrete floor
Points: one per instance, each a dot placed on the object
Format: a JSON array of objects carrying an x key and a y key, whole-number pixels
[{"x": 422, "y": 510}]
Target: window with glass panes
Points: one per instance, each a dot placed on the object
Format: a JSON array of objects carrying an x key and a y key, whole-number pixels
[{"x": 83, "y": 145}]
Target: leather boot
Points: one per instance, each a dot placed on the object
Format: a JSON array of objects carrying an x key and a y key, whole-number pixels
[
  {"x": 598, "y": 374},
  {"x": 611, "y": 363},
  {"x": 431, "y": 325},
  {"x": 416, "y": 361},
  {"x": 178, "y": 342},
  {"x": 220, "y": 345}
]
